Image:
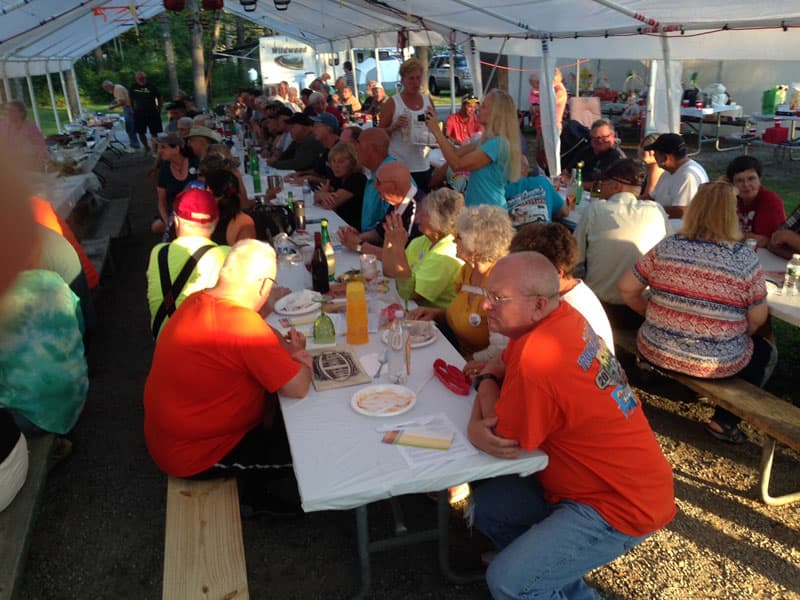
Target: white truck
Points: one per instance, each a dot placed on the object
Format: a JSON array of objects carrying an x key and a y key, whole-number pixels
[{"x": 285, "y": 59}]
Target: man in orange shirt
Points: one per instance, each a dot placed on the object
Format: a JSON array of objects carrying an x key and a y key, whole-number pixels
[
  {"x": 557, "y": 387},
  {"x": 462, "y": 126},
  {"x": 210, "y": 405}
]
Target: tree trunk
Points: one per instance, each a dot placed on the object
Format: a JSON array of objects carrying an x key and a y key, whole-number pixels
[
  {"x": 239, "y": 44},
  {"x": 198, "y": 56},
  {"x": 423, "y": 54},
  {"x": 169, "y": 54},
  {"x": 214, "y": 45},
  {"x": 98, "y": 58}
]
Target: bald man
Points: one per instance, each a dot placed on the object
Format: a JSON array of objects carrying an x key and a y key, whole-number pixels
[
  {"x": 373, "y": 153},
  {"x": 215, "y": 413},
  {"x": 556, "y": 387},
  {"x": 397, "y": 189}
]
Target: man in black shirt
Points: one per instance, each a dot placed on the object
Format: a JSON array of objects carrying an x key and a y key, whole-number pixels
[
  {"x": 600, "y": 154},
  {"x": 146, "y": 108}
]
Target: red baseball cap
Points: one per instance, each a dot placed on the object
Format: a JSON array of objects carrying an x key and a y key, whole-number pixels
[{"x": 197, "y": 205}]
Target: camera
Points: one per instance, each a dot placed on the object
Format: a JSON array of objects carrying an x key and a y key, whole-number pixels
[{"x": 421, "y": 117}]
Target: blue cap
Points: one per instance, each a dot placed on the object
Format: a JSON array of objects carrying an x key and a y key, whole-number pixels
[{"x": 328, "y": 119}]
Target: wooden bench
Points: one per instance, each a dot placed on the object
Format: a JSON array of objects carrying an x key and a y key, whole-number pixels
[
  {"x": 109, "y": 223},
  {"x": 777, "y": 419},
  {"x": 203, "y": 547},
  {"x": 17, "y": 520}
]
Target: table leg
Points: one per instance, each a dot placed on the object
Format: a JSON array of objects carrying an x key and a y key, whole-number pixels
[
  {"x": 443, "y": 518},
  {"x": 362, "y": 544}
]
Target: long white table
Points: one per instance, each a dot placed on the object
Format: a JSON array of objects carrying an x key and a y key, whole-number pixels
[
  {"x": 339, "y": 460},
  {"x": 700, "y": 114}
]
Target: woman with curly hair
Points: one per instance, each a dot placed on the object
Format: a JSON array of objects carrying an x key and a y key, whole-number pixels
[
  {"x": 492, "y": 161},
  {"x": 429, "y": 263},
  {"x": 483, "y": 235}
]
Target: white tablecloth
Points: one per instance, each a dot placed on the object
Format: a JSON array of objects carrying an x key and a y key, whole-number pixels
[{"x": 64, "y": 192}]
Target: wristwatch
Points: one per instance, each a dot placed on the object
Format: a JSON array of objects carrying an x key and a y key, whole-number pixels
[{"x": 483, "y": 376}]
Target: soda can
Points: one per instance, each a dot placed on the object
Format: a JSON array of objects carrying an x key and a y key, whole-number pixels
[{"x": 300, "y": 214}]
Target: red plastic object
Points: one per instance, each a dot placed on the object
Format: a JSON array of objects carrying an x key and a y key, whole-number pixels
[
  {"x": 452, "y": 377},
  {"x": 776, "y": 135},
  {"x": 176, "y": 5},
  {"x": 212, "y": 4}
]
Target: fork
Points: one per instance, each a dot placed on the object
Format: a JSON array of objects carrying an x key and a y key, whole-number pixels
[{"x": 381, "y": 361}]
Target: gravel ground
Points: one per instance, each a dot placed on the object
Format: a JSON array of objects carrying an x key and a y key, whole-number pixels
[{"x": 100, "y": 530}]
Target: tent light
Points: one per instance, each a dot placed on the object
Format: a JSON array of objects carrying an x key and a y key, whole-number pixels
[
  {"x": 281, "y": 4},
  {"x": 248, "y": 5}
]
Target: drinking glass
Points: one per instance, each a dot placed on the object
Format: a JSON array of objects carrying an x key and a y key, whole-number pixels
[
  {"x": 324, "y": 331},
  {"x": 369, "y": 269},
  {"x": 405, "y": 288}
]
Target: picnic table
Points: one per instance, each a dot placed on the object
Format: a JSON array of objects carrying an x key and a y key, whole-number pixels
[{"x": 694, "y": 118}]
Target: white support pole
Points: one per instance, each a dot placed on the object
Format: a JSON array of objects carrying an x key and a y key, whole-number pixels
[
  {"x": 7, "y": 88},
  {"x": 673, "y": 126},
  {"x": 32, "y": 96},
  {"x": 77, "y": 91},
  {"x": 66, "y": 95},
  {"x": 352, "y": 55},
  {"x": 477, "y": 76},
  {"x": 547, "y": 95},
  {"x": 377, "y": 55},
  {"x": 53, "y": 102},
  {"x": 452, "y": 75}
]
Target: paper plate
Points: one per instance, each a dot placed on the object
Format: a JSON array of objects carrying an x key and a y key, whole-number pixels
[
  {"x": 297, "y": 303},
  {"x": 383, "y": 400}
]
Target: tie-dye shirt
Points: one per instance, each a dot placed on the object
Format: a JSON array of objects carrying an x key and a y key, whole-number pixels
[{"x": 41, "y": 351}]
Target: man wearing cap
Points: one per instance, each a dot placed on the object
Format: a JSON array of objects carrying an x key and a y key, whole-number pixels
[
  {"x": 146, "y": 101},
  {"x": 189, "y": 263},
  {"x": 304, "y": 150},
  {"x": 682, "y": 175},
  {"x": 200, "y": 138},
  {"x": 210, "y": 400},
  {"x": 185, "y": 125},
  {"x": 123, "y": 100},
  {"x": 613, "y": 235},
  {"x": 326, "y": 130},
  {"x": 601, "y": 152},
  {"x": 460, "y": 127},
  {"x": 176, "y": 168}
]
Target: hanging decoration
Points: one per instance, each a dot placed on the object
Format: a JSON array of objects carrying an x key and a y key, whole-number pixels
[{"x": 212, "y": 4}]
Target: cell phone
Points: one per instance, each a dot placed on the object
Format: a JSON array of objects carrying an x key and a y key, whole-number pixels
[{"x": 422, "y": 117}]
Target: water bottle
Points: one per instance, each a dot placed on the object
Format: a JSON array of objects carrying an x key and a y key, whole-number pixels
[
  {"x": 792, "y": 274},
  {"x": 308, "y": 197},
  {"x": 399, "y": 350}
]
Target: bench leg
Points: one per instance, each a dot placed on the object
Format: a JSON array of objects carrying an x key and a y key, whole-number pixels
[{"x": 767, "y": 453}]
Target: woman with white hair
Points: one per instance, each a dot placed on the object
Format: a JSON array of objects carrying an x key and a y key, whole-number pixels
[{"x": 494, "y": 159}]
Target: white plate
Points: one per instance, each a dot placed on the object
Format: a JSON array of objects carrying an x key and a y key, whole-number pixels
[
  {"x": 289, "y": 306},
  {"x": 416, "y": 341},
  {"x": 383, "y": 400}
]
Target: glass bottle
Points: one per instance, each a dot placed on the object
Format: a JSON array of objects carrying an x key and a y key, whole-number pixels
[
  {"x": 356, "y": 314},
  {"x": 307, "y": 195},
  {"x": 324, "y": 330},
  {"x": 290, "y": 201},
  {"x": 399, "y": 349},
  {"x": 579, "y": 183},
  {"x": 327, "y": 246},
  {"x": 792, "y": 275},
  {"x": 319, "y": 267}
]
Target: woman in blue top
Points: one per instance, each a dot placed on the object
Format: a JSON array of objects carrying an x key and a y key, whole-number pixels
[{"x": 494, "y": 159}]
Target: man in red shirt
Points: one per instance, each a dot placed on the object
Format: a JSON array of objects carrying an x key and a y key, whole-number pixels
[
  {"x": 210, "y": 405},
  {"x": 557, "y": 387},
  {"x": 463, "y": 125}
]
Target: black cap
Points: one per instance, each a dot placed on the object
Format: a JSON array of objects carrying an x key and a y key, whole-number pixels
[
  {"x": 299, "y": 119},
  {"x": 668, "y": 143}
]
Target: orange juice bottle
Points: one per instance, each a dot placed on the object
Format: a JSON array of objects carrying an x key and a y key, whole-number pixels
[{"x": 356, "y": 314}]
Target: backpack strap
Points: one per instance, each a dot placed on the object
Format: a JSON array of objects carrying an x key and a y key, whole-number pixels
[{"x": 171, "y": 290}]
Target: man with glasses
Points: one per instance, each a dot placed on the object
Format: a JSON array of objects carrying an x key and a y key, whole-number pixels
[
  {"x": 556, "y": 387},
  {"x": 210, "y": 400},
  {"x": 613, "y": 235},
  {"x": 601, "y": 152},
  {"x": 461, "y": 127}
]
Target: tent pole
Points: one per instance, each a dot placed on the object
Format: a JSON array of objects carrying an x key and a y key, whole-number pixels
[
  {"x": 547, "y": 95},
  {"x": 53, "y": 101},
  {"x": 355, "y": 71},
  {"x": 7, "y": 88},
  {"x": 32, "y": 96},
  {"x": 577, "y": 77},
  {"x": 494, "y": 67},
  {"x": 66, "y": 95},
  {"x": 519, "y": 84},
  {"x": 668, "y": 82},
  {"x": 452, "y": 75},
  {"x": 377, "y": 55},
  {"x": 77, "y": 91},
  {"x": 477, "y": 76}
]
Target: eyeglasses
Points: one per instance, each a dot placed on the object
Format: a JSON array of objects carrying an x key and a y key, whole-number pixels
[
  {"x": 496, "y": 300},
  {"x": 601, "y": 138}
]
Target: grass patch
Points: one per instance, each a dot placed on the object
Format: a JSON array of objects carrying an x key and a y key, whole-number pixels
[{"x": 48, "y": 120}]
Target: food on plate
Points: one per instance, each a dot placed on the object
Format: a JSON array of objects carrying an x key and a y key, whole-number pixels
[
  {"x": 384, "y": 400},
  {"x": 420, "y": 331},
  {"x": 298, "y": 302}
]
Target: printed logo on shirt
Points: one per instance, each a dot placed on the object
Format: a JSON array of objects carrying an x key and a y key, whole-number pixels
[
  {"x": 609, "y": 373},
  {"x": 529, "y": 206}
]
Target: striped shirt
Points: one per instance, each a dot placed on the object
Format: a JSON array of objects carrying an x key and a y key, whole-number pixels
[{"x": 696, "y": 320}]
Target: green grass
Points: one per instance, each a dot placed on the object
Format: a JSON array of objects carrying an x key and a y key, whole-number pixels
[{"x": 48, "y": 120}]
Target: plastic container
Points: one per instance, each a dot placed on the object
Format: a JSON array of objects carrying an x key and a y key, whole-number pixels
[
  {"x": 357, "y": 318},
  {"x": 399, "y": 350}
]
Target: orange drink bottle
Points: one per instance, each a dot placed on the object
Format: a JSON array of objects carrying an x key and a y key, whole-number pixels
[{"x": 356, "y": 314}]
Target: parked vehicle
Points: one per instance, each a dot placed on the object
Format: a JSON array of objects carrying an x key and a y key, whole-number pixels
[{"x": 439, "y": 74}]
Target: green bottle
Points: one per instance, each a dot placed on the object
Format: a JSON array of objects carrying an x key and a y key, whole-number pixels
[
  {"x": 327, "y": 246},
  {"x": 579, "y": 183}
]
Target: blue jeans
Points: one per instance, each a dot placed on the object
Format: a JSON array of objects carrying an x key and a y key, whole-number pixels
[
  {"x": 545, "y": 548},
  {"x": 130, "y": 127}
]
